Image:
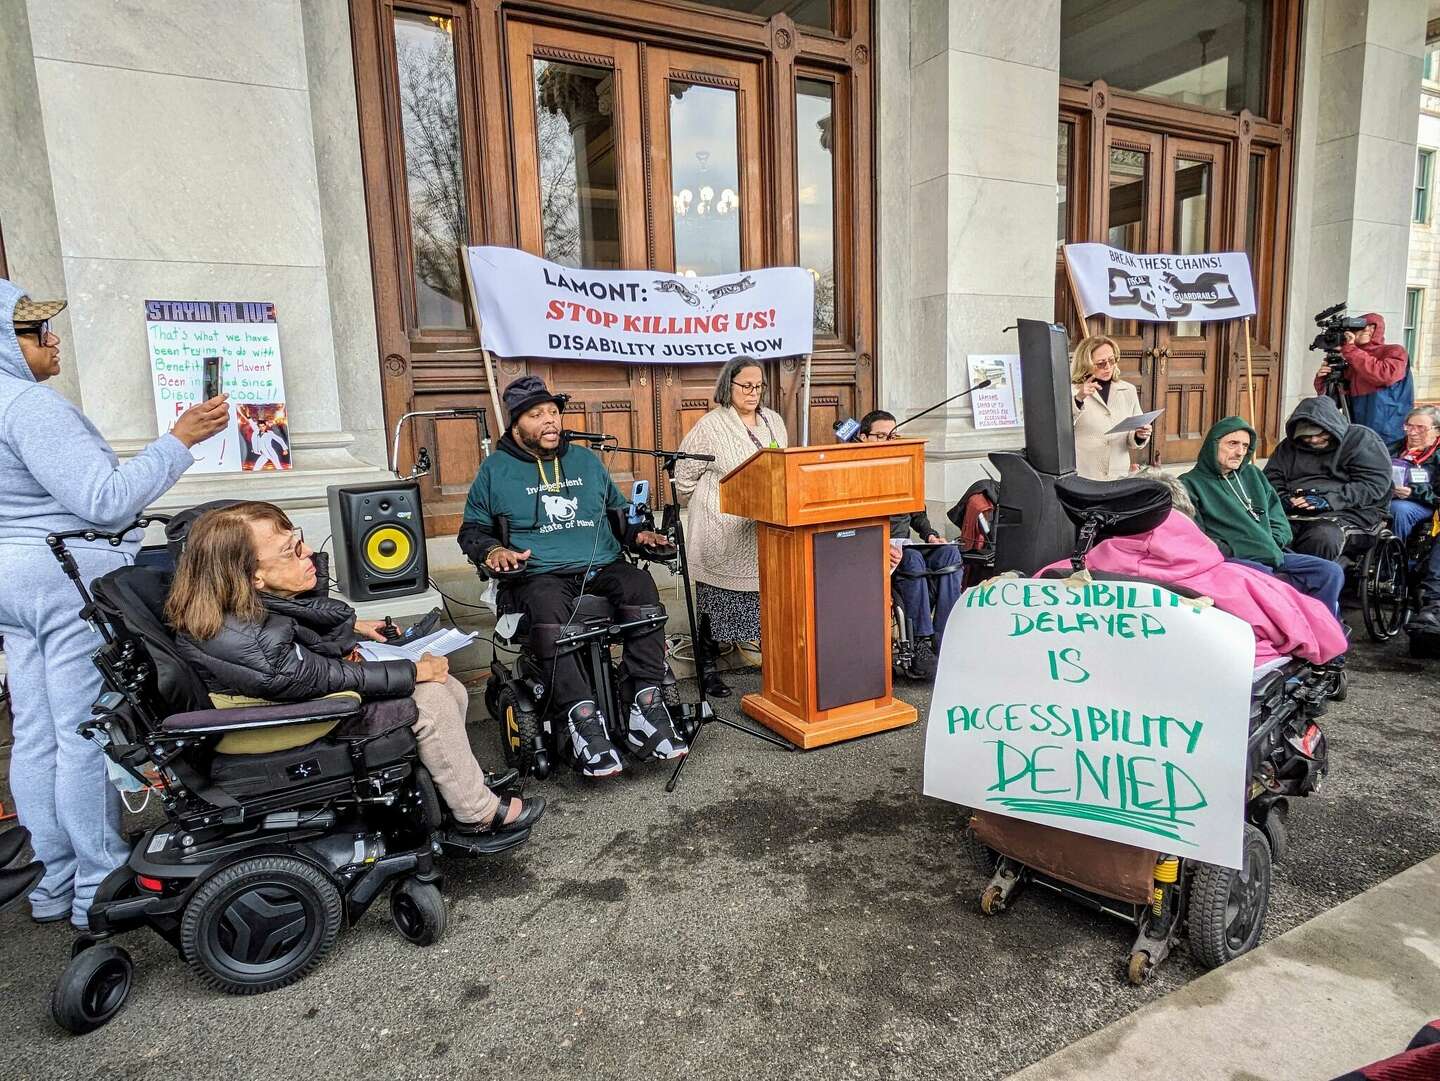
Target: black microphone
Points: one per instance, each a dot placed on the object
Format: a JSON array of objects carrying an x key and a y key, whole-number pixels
[
  {"x": 847, "y": 428},
  {"x": 585, "y": 437}
]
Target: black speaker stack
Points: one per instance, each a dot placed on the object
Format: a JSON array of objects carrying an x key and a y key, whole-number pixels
[{"x": 379, "y": 537}]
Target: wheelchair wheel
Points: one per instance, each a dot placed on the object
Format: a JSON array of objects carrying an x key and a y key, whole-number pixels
[
  {"x": 1227, "y": 907},
  {"x": 520, "y": 727},
  {"x": 1383, "y": 587},
  {"x": 418, "y": 911},
  {"x": 982, "y": 857},
  {"x": 260, "y": 923},
  {"x": 92, "y": 988}
]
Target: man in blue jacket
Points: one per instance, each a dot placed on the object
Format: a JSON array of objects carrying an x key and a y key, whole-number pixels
[
  {"x": 556, "y": 497},
  {"x": 57, "y": 473}
]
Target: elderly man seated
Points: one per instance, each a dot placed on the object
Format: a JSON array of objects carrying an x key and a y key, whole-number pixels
[
  {"x": 1237, "y": 508},
  {"x": 1333, "y": 478}
]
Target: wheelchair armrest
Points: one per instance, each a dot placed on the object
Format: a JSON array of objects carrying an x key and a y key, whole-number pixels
[
  {"x": 660, "y": 554},
  {"x": 500, "y": 576},
  {"x": 204, "y": 722}
]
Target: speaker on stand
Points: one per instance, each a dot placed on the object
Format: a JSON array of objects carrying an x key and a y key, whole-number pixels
[{"x": 379, "y": 536}]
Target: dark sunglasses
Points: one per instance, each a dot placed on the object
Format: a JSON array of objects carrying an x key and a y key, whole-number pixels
[{"x": 41, "y": 331}]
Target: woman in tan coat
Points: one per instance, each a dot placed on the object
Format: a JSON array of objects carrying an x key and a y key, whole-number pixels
[
  {"x": 723, "y": 560},
  {"x": 1102, "y": 400}
]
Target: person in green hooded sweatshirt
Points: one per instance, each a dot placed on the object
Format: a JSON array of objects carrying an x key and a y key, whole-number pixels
[{"x": 1237, "y": 508}]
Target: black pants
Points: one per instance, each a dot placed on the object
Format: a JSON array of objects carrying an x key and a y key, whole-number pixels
[
  {"x": 548, "y": 600},
  {"x": 1318, "y": 537}
]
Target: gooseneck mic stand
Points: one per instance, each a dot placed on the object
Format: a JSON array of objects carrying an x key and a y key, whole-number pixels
[
  {"x": 968, "y": 390},
  {"x": 694, "y": 715}
]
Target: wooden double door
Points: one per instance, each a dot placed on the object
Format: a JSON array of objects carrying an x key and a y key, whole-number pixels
[
  {"x": 1160, "y": 194},
  {"x": 617, "y": 167}
]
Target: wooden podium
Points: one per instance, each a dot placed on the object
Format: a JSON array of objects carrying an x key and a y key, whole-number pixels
[{"x": 823, "y": 515}]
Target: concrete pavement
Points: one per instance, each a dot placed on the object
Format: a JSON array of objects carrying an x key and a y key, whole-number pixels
[
  {"x": 1349, "y": 987},
  {"x": 782, "y": 915}
]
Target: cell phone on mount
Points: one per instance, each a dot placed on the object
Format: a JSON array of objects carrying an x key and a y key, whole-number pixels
[
  {"x": 210, "y": 380},
  {"x": 639, "y": 499}
]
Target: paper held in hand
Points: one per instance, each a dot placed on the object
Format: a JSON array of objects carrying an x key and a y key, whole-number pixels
[
  {"x": 1135, "y": 423},
  {"x": 439, "y": 644}
]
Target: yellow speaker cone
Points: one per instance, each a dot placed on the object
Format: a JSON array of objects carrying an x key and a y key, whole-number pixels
[{"x": 388, "y": 548}]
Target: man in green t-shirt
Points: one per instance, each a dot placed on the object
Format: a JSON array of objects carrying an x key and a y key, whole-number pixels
[{"x": 556, "y": 496}]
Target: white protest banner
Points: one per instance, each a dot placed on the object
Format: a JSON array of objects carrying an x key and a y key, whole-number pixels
[
  {"x": 246, "y": 337},
  {"x": 532, "y": 308},
  {"x": 1112, "y": 709},
  {"x": 998, "y": 405},
  {"x": 1161, "y": 288}
]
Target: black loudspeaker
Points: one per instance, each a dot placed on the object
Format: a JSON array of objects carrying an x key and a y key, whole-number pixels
[
  {"x": 379, "y": 536},
  {"x": 1045, "y": 379}
]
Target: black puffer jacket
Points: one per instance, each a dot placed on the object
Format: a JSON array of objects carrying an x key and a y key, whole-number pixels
[
  {"x": 1354, "y": 475},
  {"x": 295, "y": 654}
]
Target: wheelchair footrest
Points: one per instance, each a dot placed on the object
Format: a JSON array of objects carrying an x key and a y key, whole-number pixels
[{"x": 462, "y": 844}]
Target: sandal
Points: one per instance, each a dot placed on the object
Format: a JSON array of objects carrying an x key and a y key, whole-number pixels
[{"x": 530, "y": 812}]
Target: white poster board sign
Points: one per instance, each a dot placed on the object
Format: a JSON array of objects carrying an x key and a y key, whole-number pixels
[
  {"x": 998, "y": 405},
  {"x": 246, "y": 337},
  {"x": 1197, "y": 288},
  {"x": 1112, "y": 709},
  {"x": 529, "y": 307}
]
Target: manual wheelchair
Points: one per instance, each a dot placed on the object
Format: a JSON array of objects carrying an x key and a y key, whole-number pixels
[
  {"x": 1220, "y": 910},
  {"x": 518, "y": 692},
  {"x": 283, "y": 823},
  {"x": 1378, "y": 567}
]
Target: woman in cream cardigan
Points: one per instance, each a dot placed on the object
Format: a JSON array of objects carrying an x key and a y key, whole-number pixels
[
  {"x": 1102, "y": 400},
  {"x": 722, "y": 554}
]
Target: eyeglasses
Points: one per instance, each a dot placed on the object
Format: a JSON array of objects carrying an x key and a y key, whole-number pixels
[
  {"x": 41, "y": 331},
  {"x": 1102, "y": 364},
  {"x": 1426, "y": 427},
  {"x": 297, "y": 542},
  {"x": 750, "y": 388}
]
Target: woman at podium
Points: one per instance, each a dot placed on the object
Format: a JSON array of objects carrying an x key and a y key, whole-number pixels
[{"x": 722, "y": 553}]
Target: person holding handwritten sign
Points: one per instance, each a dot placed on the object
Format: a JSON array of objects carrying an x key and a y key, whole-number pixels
[
  {"x": 1102, "y": 400},
  {"x": 58, "y": 474}
]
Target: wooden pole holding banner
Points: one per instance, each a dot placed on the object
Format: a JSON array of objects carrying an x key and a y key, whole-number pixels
[
  {"x": 805, "y": 407},
  {"x": 495, "y": 405},
  {"x": 1249, "y": 374},
  {"x": 1075, "y": 298}
]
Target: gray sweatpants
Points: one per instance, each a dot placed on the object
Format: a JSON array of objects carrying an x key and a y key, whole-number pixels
[{"x": 58, "y": 777}]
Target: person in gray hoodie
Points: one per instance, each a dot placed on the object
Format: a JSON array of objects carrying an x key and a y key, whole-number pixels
[
  {"x": 1333, "y": 478},
  {"x": 58, "y": 473}
]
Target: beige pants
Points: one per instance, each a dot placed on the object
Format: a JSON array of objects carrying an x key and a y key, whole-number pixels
[{"x": 445, "y": 750}]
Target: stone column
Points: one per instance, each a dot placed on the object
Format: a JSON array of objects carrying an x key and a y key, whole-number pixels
[
  {"x": 968, "y": 207},
  {"x": 183, "y": 157},
  {"x": 27, "y": 201},
  {"x": 1355, "y": 168}
]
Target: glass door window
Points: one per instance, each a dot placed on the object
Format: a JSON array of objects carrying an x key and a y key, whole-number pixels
[
  {"x": 1161, "y": 199},
  {"x": 704, "y": 127}
]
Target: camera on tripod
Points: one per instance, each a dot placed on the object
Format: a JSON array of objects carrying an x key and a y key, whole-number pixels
[{"x": 1334, "y": 324}]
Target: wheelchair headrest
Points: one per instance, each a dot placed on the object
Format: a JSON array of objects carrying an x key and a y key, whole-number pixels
[
  {"x": 1121, "y": 508},
  {"x": 177, "y": 530},
  {"x": 132, "y": 600}
]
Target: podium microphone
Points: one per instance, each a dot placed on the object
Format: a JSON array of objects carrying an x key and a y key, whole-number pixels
[
  {"x": 846, "y": 430},
  {"x": 585, "y": 437}
]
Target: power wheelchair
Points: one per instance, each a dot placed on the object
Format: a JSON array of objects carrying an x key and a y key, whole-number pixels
[
  {"x": 263, "y": 858},
  {"x": 1220, "y": 910},
  {"x": 518, "y": 693}
]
